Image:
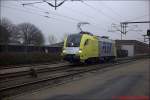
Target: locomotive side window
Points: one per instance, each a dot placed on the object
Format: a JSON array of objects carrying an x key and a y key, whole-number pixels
[
  {"x": 108, "y": 47},
  {"x": 105, "y": 48},
  {"x": 86, "y": 42}
]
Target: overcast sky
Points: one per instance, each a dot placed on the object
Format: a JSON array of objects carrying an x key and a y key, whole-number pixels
[{"x": 100, "y": 15}]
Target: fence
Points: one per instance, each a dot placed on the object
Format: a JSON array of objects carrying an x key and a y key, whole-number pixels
[{"x": 23, "y": 48}]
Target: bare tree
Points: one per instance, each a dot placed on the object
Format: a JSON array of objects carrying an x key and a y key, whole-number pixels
[
  {"x": 52, "y": 39},
  {"x": 4, "y": 30},
  {"x": 4, "y": 35},
  {"x": 30, "y": 34},
  {"x": 12, "y": 30},
  {"x": 6, "y": 23}
]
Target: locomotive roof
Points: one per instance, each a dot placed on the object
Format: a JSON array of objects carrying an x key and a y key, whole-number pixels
[{"x": 106, "y": 40}]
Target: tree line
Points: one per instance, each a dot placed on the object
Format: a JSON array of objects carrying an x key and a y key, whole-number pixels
[{"x": 21, "y": 34}]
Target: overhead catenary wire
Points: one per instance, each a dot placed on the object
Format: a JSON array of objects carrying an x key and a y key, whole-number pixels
[
  {"x": 86, "y": 15},
  {"x": 33, "y": 13},
  {"x": 47, "y": 15},
  {"x": 102, "y": 13},
  {"x": 55, "y": 5},
  {"x": 33, "y": 3},
  {"x": 81, "y": 13},
  {"x": 90, "y": 6},
  {"x": 47, "y": 12},
  {"x": 58, "y": 14},
  {"x": 139, "y": 17},
  {"x": 112, "y": 10},
  {"x": 31, "y": 9},
  {"x": 68, "y": 17},
  {"x": 51, "y": 13},
  {"x": 22, "y": 10}
]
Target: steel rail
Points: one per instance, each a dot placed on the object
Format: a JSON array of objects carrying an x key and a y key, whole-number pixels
[
  {"x": 71, "y": 74},
  {"x": 43, "y": 68},
  {"x": 30, "y": 69},
  {"x": 2, "y": 67}
]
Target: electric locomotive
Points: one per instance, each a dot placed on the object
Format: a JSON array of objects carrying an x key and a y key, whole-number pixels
[{"x": 85, "y": 47}]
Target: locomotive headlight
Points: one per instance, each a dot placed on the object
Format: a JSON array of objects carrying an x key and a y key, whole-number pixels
[
  {"x": 64, "y": 51},
  {"x": 80, "y": 51}
]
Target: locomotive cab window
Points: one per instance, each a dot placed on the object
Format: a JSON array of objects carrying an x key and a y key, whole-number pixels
[{"x": 74, "y": 40}]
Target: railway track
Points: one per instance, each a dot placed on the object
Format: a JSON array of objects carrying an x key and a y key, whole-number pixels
[
  {"x": 55, "y": 78},
  {"x": 37, "y": 67},
  {"x": 16, "y": 72},
  {"x": 2, "y": 67}
]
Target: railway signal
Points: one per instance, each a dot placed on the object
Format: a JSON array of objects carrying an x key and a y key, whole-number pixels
[
  {"x": 148, "y": 32},
  {"x": 147, "y": 36}
]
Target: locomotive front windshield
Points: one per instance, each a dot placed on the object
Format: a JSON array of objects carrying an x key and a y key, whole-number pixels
[{"x": 74, "y": 40}]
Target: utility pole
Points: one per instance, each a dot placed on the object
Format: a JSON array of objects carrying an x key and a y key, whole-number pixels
[
  {"x": 124, "y": 25},
  {"x": 149, "y": 14},
  {"x": 148, "y": 33},
  {"x": 55, "y": 4},
  {"x": 141, "y": 22},
  {"x": 121, "y": 28}
]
